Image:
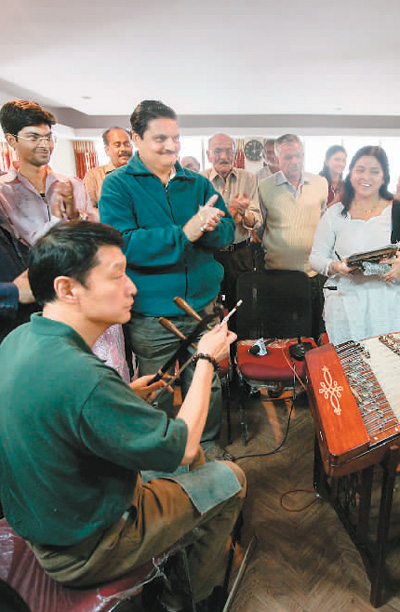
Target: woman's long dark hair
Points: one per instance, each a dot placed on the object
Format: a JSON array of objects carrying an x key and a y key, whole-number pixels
[
  {"x": 381, "y": 156},
  {"x": 331, "y": 151}
]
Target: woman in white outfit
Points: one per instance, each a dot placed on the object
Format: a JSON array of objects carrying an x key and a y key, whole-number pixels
[{"x": 357, "y": 305}]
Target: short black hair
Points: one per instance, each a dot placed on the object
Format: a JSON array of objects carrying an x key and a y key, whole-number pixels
[
  {"x": 114, "y": 127},
  {"x": 68, "y": 249},
  {"x": 17, "y": 114},
  {"x": 148, "y": 110},
  {"x": 381, "y": 157}
]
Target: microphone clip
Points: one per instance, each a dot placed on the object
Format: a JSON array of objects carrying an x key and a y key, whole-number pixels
[{"x": 258, "y": 348}]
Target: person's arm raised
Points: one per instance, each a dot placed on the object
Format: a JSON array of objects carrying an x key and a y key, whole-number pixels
[
  {"x": 206, "y": 220},
  {"x": 194, "y": 409}
]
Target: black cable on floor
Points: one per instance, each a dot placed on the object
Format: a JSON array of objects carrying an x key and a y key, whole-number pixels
[
  {"x": 290, "y": 492},
  {"x": 277, "y": 449}
]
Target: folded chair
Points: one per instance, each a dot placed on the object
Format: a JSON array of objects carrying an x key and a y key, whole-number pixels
[{"x": 276, "y": 310}]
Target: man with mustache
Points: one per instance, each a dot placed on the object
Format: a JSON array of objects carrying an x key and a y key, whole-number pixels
[
  {"x": 239, "y": 190},
  {"x": 118, "y": 147},
  {"x": 172, "y": 220}
]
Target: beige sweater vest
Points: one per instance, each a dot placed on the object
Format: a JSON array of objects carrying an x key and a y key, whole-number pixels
[{"x": 291, "y": 222}]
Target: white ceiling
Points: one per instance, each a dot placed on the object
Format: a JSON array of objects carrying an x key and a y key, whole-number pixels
[{"x": 239, "y": 58}]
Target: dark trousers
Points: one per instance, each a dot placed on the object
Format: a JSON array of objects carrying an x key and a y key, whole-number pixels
[
  {"x": 234, "y": 263},
  {"x": 154, "y": 345},
  {"x": 317, "y": 283}
]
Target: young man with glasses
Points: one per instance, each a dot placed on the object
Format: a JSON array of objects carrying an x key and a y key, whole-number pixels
[
  {"x": 32, "y": 197},
  {"x": 239, "y": 190}
]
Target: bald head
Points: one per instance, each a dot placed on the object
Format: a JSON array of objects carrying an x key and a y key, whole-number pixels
[
  {"x": 118, "y": 146},
  {"x": 221, "y": 150},
  {"x": 190, "y": 163}
]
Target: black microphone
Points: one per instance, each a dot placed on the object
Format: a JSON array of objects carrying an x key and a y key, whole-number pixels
[
  {"x": 258, "y": 347},
  {"x": 298, "y": 351}
]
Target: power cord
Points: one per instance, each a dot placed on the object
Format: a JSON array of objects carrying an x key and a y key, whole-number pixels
[
  {"x": 292, "y": 366},
  {"x": 277, "y": 449},
  {"x": 291, "y": 491}
]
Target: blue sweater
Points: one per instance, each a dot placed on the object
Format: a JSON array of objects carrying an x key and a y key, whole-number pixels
[{"x": 162, "y": 262}]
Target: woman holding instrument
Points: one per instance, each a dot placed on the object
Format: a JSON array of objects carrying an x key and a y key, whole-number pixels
[{"x": 360, "y": 304}]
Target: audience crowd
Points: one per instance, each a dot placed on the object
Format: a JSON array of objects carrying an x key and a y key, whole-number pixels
[{"x": 103, "y": 259}]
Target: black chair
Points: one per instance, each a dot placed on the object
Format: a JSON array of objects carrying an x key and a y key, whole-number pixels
[{"x": 277, "y": 310}]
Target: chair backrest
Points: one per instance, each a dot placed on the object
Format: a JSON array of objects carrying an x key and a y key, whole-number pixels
[{"x": 276, "y": 304}]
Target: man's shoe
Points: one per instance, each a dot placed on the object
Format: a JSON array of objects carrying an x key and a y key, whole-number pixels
[{"x": 216, "y": 452}]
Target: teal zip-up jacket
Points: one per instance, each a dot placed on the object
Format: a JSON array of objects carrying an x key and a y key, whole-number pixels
[{"x": 162, "y": 262}]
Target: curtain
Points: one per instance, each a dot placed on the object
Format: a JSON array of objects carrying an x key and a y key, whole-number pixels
[
  {"x": 85, "y": 156},
  {"x": 239, "y": 161},
  {"x": 7, "y": 156}
]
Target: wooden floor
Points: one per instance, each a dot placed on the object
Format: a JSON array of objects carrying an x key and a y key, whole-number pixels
[{"x": 303, "y": 561}]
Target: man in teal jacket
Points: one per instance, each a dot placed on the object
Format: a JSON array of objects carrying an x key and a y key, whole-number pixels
[{"x": 172, "y": 221}]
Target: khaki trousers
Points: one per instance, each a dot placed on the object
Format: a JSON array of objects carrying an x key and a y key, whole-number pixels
[{"x": 161, "y": 513}]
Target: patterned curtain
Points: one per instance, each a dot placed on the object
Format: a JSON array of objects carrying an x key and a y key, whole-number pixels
[
  {"x": 239, "y": 161},
  {"x": 85, "y": 156},
  {"x": 7, "y": 156}
]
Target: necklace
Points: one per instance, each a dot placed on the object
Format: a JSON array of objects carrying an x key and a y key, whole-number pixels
[
  {"x": 362, "y": 212},
  {"x": 368, "y": 211}
]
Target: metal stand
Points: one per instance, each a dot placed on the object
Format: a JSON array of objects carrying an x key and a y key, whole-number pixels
[{"x": 347, "y": 492}]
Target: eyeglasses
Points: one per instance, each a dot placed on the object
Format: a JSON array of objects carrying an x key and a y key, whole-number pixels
[
  {"x": 218, "y": 152},
  {"x": 37, "y": 138}
]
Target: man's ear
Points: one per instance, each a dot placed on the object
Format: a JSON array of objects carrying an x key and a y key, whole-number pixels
[
  {"x": 208, "y": 156},
  {"x": 11, "y": 140},
  {"x": 66, "y": 289},
  {"x": 107, "y": 150},
  {"x": 135, "y": 138}
]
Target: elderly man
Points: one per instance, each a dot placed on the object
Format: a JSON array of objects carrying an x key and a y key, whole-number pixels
[
  {"x": 172, "y": 220},
  {"x": 76, "y": 438},
  {"x": 239, "y": 191},
  {"x": 118, "y": 147},
  {"x": 270, "y": 161},
  {"x": 292, "y": 202},
  {"x": 190, "y": 163},
  {"x": 32, "y": 197}
]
